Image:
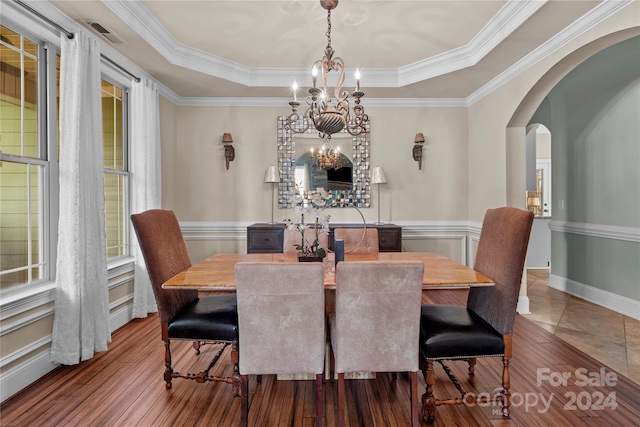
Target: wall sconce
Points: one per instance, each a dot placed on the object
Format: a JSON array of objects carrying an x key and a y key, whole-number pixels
[
  {"x": 229, "y": 151},
  {"x": 417, "y": 149}
]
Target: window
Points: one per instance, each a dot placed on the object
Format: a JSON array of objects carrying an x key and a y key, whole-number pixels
[
  {"x": 29, "y": 161},
  {"x": 116, "y": 176},
  {"x": 23, "y": 162}
]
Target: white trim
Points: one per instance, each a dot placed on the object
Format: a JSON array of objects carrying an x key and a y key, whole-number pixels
[
  {"x": 26, "y": 298},
  {"x": 24, "y": 374},
  {"x": 592, "y": 18},
  {"x": 523, "y": 305},
  {"x": 140, "y": 20},
  {"x": 25, "y": 321},
  {"x": 616, "y": 232},
  {"x": 280, "y": 101},
  {"x": 618, "y": 303}
]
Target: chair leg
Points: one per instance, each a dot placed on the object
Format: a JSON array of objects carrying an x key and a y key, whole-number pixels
[
  {"x": 235, "y": 359},
  {"x": 319, "y": 399},
  {"x": 168, "y": 371},
  {"x": 196, "y": 346},
  {"x": 506, "y": 384},
  {"x": 244, "y": 405},
  {"x": 428, "y": 401},
  {"x": 341, "y": 400},
  {"x": 472, "y": 365},
  {"x": 415, "y": 421}
]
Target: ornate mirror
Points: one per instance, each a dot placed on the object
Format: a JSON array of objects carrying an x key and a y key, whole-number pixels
[{"x": 347, "y": 179}]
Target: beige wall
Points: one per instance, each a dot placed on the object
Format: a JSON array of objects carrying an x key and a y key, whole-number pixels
[{"x": 199, "y": 187}]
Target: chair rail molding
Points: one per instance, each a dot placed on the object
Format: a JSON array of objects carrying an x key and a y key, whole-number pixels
[{"x": 616, "y": 232}]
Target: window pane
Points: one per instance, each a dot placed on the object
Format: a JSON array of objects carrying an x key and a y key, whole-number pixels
[
  {"x": 112, "y": 126},
  {"x": 18, "y": 95},
  {"x": 114, "y": 195},
  {"x": 20, "y": 218}
]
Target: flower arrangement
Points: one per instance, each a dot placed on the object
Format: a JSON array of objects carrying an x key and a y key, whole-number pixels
[{"x": 312, "y": 206}]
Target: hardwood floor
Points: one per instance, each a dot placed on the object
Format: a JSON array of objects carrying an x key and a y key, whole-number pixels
[{"x": 124, "y": 387}]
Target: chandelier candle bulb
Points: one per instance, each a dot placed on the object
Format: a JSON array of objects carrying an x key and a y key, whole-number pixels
[
  {"x": 295, "y": 90},
  {"x": 314, "y": 76},
  {"x": 357, "y": 79}
]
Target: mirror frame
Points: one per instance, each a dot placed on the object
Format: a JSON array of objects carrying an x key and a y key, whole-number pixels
[{"x": 360, "y": 193}]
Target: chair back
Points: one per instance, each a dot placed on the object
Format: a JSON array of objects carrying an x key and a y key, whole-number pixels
[
  {"x": 501, "y": 255},
  {"x": 165, "y": 255},
  {"x": 377, "y": 320},
  {"x": 353, "y": 236},
  {"x": 281, "y": 319},
  {"x": 293, "y": 238}
]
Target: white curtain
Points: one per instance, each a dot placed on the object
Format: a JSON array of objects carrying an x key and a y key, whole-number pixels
[
  {"x": 145, "y": 179},
  {"x": 81, "y": 322}
]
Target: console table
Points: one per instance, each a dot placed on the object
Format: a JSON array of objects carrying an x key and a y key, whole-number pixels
[{"x": 266, "y": 238}]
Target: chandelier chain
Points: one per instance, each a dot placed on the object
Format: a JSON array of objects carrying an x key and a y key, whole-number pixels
[{"x": 328, "y": 33}]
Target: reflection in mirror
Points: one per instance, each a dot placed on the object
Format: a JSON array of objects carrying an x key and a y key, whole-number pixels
[
  {"x": 349, "y": 184},
  {"x": 310, "y": 175}
]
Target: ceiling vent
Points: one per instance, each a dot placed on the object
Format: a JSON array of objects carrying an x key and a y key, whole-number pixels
[{"x": 109, "y": 35}]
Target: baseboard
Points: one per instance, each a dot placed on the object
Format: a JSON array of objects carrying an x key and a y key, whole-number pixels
[
  {"x": 22, "y": 375},
  {"x": 523, "y": 305},
  {"x": 614, "y": 302}
]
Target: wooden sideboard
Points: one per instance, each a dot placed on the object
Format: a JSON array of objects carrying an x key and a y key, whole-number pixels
[{"x": 264, "y": 238}]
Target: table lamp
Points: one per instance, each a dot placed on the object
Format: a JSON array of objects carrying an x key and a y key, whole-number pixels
[
  {"x": 378, "y": 177},
  {"x": 272, "y": 176}
]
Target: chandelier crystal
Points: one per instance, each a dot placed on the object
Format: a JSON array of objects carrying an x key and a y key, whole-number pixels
[
  {"x": 327, "y": 157},
  {"x": 328, "y": 115}
]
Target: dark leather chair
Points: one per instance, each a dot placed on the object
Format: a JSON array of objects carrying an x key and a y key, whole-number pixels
[
  {"x": 484, "y": 327},
  {"x": 182, "y": 314}
]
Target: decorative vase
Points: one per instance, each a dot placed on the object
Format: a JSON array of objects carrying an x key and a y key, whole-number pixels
[{"x": 309, "y": 258}]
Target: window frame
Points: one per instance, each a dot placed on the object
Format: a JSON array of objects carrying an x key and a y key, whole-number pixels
[{"x": 47, "y": 129}]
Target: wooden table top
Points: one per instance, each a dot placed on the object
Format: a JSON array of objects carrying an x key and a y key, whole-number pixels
[{"x": 217, "y": 273}]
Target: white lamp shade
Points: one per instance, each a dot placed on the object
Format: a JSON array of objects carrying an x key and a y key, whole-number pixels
[
  {"x": 378, "y": 176},
  {"x": 272, "y": 175}
]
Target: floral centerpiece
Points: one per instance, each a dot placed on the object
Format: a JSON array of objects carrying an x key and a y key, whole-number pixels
[{"x": 311, "y": 206}]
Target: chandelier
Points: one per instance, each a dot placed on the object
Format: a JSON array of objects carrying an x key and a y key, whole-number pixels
[
  {"x": 327, "y": 157},
  {"x": 328, "y": 115}
]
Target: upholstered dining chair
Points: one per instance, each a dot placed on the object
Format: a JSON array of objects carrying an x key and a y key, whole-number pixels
[
  {"x": 182, "y": 314},
  {"x": 375, "y": 326},
  {"x": 353, "y": 241},
  {"x": 292, "y": 239},
  {"x": 282, "y": 324},
  {"x": 484, "y": 327}
]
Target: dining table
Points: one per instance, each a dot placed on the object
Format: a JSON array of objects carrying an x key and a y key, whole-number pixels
[{"x": 217, "y": 273}]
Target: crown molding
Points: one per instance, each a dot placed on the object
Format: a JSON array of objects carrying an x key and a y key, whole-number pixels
[
  {"x": 282, "y": 102},
  {"x": 592, "y": 18},
  {"x": 510, "y": 16}
]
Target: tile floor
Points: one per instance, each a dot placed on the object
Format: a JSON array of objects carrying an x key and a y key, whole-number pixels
[{"x": 607, "y": 336}]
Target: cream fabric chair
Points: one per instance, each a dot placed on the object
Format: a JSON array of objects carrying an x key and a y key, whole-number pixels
[
  {"x": 292, "y": 239},
  {"x": 281, "y": 324},
  {"x": 352, "y": 237},
  {"x": 377, "y": 322}
]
